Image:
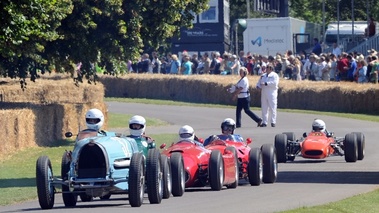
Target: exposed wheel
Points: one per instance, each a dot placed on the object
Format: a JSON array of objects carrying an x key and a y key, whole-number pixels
[
  {"x": 166, "y": 170},
  {"x": 44, "y": 176},
  {"x": 136, "y": 180},
  {"x": 350, "y": 146},
  {"x": 290, "y": 136},
  {"x": 281, "y": 147},
  {"x": 255, "y": 167},
  {"x": 360, "y": 144},
  {"x": 234, "y": 151},
  {"x": 216, "y": 170},
  {"x": 154, "y": 179},
  {"x": 69, "y": 198},
  {"x": 270, "y": 164},
  {"x": 105, "y": 197},
  {"x": 85, "y": 198},
  {"x": 178, "y": 174}
]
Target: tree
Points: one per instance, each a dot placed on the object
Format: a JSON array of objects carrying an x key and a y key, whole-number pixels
[{"x": 40, "y": 35}]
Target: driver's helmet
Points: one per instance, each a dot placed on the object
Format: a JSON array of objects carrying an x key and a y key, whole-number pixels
[
  {"x": 186, "y": 132},
  {"x": 318, "y": 125},
  {"x": 94, "y": 119},
  {"x": 228, "y": 125},
  {"x": 137, "y": 125}
]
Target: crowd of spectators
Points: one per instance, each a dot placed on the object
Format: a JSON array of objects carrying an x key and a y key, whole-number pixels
[{"x": 335, "y": 66}]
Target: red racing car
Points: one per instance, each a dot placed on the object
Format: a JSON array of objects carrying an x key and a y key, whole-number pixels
[
  {"x": 255, "y": 164},
  {"x": 192, "y": 165},
  {"x": 319, "y": 145}
]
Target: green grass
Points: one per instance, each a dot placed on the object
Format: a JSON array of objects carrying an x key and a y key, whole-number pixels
[{"x": 117, "y": 120}]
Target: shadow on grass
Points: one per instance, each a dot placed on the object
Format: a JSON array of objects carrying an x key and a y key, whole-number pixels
[
  {"x": 17, "y": 182},
  {"x": 63, "y": 142},
  {"x": 337, "y": 177}
]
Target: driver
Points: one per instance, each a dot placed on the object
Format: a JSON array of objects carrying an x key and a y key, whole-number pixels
[
  {"x": 227, "y": 129},
  {"x": 319, "y": 125},
  {"x": 95, "y": 120},
  {"x": 186, "y": 132},
  {"x": 137, "y": 126}
]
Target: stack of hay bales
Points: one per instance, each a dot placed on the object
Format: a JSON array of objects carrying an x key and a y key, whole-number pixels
[
  {"x": 44, "y": 111},
  {"x": 348, "y": 97}
]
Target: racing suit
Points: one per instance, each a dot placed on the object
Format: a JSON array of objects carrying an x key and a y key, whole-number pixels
[{"x": 269, "y": 96}]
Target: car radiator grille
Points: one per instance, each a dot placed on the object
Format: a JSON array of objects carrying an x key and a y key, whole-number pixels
[{"x": 91, "y": 163}]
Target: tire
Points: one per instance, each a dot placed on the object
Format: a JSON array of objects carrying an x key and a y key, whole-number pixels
[
  {"x": 350, "y": 148},
  {"x": 44, "y": 176},
  {"x": 290, "y": 136},
  {"x": 270, "y": 165},
  {"x": 234, "y": 151},
  {"x": 136, "y": 180},
  {"x": 166, "y": 170},
  {"x": 360, "y": 144},
  {"x": 216, "y": 170},
  {"x": 178, "y": 174},
  {"x": 255, "y": 167},
  {"x": 281, "y": 147},
  {"x": 154, "y": 176},
  {"x": 69, "y": 198}
]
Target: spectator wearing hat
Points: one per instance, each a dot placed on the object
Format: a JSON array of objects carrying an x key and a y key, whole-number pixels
[
  {"x": 361, "y": 72},
  {"x": 372, "y": 52}
]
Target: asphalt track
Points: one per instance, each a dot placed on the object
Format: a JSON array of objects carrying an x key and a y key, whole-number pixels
[{"x": 300, "y": 183}]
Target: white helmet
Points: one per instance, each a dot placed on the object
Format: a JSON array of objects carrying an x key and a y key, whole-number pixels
[
  {"x": 228, "y": 123},
  {"x": 94, "y": 119},
  {"x": 137, "y": 119},
  {"x": 186, "y": 132},
  {"x": 318, "y": 125}
]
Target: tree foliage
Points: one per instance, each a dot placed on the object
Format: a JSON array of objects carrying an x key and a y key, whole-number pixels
[{"x": 42, "y": 35}]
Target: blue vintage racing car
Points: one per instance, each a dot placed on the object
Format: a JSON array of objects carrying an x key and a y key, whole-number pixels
[{"x": 101, "y": 165}]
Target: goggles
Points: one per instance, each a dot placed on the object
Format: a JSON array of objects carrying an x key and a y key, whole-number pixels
[
  {"x": 185, "y": 135},
  {"x": 135, "y": 126},
  {"x": 92, "y": 120},
  {"x": 227, "y": 128}
]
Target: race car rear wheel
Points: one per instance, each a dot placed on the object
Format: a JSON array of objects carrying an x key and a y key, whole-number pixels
[
  {"x": 216, "y": 170},
  {"x": 281, "y": 147},
  {"x": 350, "y": 145},
  {"x": 154, "y": 176},
  {"x": 361, "y": 145},
  {"x": 166, "y": 170},
  {"x": 44, "y": 177},
  {"x": 234, "y": 151},
  {"x": 290, "y": 136},
  {"x": 136, "y": 180},
  {"x": 178, "y": 174},
  {"x": 255, "y": 167},
  {"x": 69, "y": 198},
  {"x": 270, "y": 164}
]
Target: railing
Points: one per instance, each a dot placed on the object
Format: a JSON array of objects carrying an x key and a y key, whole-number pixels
[{"x": 371, "y": 43}]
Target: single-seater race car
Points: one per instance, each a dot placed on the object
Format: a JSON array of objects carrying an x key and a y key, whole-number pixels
[
  {"x": 256, "y": 165},
  {"x": 100, "y": 166},
  {"x": 192, "y": 165},
  {"x": 319, "y": 145}
]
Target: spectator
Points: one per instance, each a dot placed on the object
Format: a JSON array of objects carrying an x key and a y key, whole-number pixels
[
  {"x": 195, "y": 63},
  {"x": 262, "y": 68},
  {"x": 268, "y": 83},
  {"x": 342, "y": 67},
  {"x": 207, "y": 63},
  {"x": 333, "y": 67},
  {"x": 371, "y": 27},
  {"x": 187, "y": 66},
  {"x": 317, "y": 47},
  {"x": 241, "y": 92},
  {"x": 278, "y": 65},
  {"x": 336, "y": 50},
  {"x": 156, "y": 63},
  {"x": 296, "y": 69},
  {"x": 175, "y": 64},
  {"x": 250, "y": 65},
  {"x": 361, "y": 72},
  {"x": 351, "y": 68},
  {"x": 235, "y": 65}
]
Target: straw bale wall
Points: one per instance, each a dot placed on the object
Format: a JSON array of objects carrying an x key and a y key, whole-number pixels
[
  {"x": 348, "y": 97},
  {"x": 42, "y": 113}
]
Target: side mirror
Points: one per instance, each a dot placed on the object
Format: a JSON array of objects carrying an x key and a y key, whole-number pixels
[
  {"x": 68, "y": 134},
  {"x": 304, "y": 135},
  {"x": 162, "y": 146},
  {"x": 249, "y": 141},
  {"x": 201, "y": 140},
  {"x": 330, "y": 134}
]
